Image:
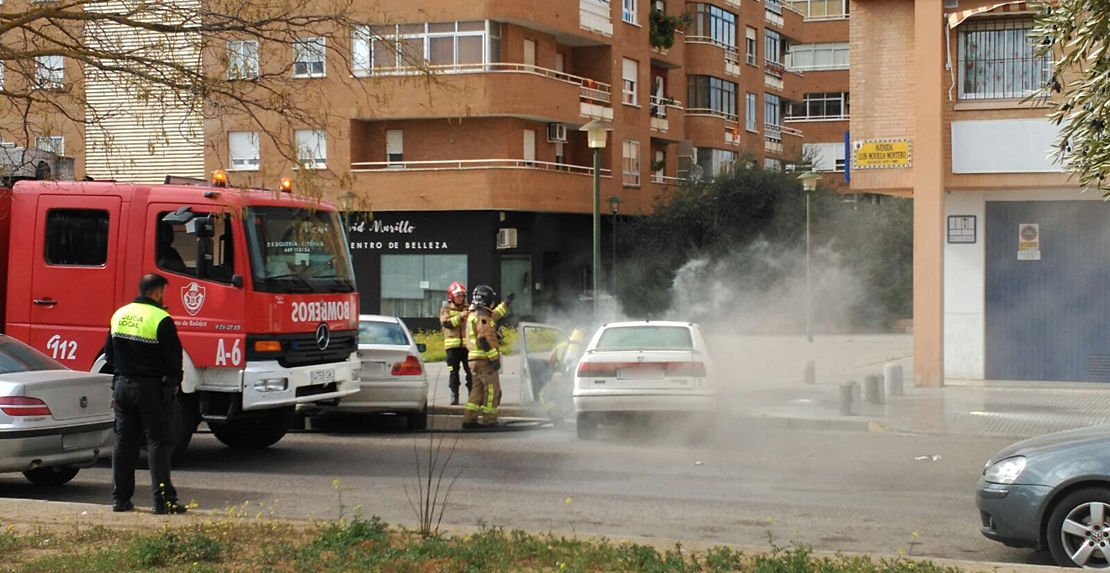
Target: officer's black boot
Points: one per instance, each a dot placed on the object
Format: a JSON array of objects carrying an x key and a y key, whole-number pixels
[{"x": 454, "y": 397}]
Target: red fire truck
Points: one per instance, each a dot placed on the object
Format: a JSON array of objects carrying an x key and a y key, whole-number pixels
[{"x": 260, "y": 286}]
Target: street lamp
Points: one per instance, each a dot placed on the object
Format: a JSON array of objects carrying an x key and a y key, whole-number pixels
[
  {"x": 615, "y": 209},
  {"x": 346, "y": 202},
  {"x": 597, "y": 133},
  {"x": 809, "y": 185}
]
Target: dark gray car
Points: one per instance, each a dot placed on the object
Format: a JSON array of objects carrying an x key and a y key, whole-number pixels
[{"x": 1051, "y": 492}]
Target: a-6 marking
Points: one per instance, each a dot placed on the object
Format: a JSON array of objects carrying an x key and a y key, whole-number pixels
[{"x": 224, "y": 357}]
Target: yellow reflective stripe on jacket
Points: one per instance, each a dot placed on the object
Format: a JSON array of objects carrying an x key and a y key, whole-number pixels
[
  {"x": 138, "y": 322},
  {"x": 452, "y": 343},
  {"x": 490, "y": 406},
  {"x": 500, "y": 311}
]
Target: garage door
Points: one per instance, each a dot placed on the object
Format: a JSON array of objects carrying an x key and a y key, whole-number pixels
[{"x": 1048, "y": 319}]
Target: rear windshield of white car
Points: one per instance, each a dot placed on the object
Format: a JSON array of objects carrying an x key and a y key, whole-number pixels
[
  {"x": 646, "y": 337},
  {"x": 18, "y": 357},
  {"x": 389, "y": 333}
]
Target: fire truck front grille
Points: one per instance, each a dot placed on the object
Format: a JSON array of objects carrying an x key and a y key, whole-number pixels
[{"x": 302, "y": 349}]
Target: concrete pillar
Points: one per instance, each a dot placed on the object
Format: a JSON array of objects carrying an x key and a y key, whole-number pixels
[{"x": 928, "y": 194}]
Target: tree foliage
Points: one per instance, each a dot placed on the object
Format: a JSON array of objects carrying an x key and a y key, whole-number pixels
[
  {"x": 1073, "y": 35},
  {"x": 747, "y": 230}
]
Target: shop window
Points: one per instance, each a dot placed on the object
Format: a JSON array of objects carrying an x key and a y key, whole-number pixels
[{"x": 414, "y": 286}]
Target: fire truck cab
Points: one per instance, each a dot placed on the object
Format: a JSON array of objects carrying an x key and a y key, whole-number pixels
[{"x": 261, "y": 289}]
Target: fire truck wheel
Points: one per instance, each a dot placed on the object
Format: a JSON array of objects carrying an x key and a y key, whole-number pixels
[
  {"x": 187, "y": 417},
  {"x": 256, "y": 433}
]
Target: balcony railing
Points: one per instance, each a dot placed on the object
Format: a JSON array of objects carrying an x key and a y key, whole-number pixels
[
  {"x": 773, "y": 68},
  {"x": 471, "y": 164},
  {"x": 591, "y": 91},
  {"x": 711, "y": 41},
  {"x": 666, "y": 180},
  {"x": 711, "y": 112},
  {"x": 806, "y": 118},
  {"x": 773, "y": 6},
  {"x": 659, "y": 105}
]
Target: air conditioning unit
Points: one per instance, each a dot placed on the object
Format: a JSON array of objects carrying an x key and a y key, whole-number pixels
[
  {"x": 506, "y": 238},
  {"x": 556, "y": 133}
]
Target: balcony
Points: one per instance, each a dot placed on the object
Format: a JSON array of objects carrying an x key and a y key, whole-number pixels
[
  {"x": 544, "y": 92},
  {"x": 478, "y": 183},
  {"x": 596, "y": 16},
  {"x": 660, "y": 179},
  {"x": 731, "y": 54},
  {"x": 659, "y": 107},
  {"x": 773, "y": 12}
]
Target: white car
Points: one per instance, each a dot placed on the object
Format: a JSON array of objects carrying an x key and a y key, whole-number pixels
[
  {"x": 53, "y": 420},
  {"x": 643, "y": 367},
  {"x": 392, "y": 379}
]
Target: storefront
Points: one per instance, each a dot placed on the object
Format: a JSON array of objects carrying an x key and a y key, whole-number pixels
[{"x": 404, "y": 261}]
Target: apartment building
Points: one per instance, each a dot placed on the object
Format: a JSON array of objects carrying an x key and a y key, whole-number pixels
[
  {"x": 1010, "y": 255},
  {"x": 479, "y": 171}
]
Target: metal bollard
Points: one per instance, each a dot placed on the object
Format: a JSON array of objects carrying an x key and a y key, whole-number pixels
[
  {"x": 809, "y": 372},
  {"x": 849, "y": 398},
  {"x": 892, "y": 373},
  {"x": 873, "y": 389}
]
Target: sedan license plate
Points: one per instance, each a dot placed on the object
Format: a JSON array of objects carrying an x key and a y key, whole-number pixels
[
  {"x": 82, "y": 440},
  {"x": 322, "y": 376}
]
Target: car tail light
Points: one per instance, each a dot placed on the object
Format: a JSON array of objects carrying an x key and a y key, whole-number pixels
[
  {"x": 21, "y": 406},
  {"x": 596, "y": 370},
  {"x": 692, "y": 369},
  {"x": 410, "y": 367}
]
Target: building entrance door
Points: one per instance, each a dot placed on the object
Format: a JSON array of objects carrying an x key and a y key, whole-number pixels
[{"x": 516, "y": 277}]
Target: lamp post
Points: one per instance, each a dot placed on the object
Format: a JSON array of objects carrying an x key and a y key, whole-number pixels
[
  {"x": 346, "y": 202},
  {"x": 809, "y": 185},
  {"x": 597, "y": 133},
  {"x": 615, "y": 209}
]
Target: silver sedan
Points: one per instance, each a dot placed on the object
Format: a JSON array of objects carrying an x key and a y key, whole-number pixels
[{"x": 53, "y": 420}]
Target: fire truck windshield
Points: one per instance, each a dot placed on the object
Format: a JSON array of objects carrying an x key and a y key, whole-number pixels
[{"x": 296, "y": 250}]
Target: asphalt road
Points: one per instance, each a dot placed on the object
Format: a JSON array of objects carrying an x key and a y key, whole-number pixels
[{"x": 849, "y": 491}]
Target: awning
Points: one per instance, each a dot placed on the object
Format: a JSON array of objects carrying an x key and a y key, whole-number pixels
[{"x": 957, "y": 18}]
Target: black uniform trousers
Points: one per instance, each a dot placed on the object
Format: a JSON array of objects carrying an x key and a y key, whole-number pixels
[
  {"x": 457, "y": 357},
  {"x": 144, "y": 414}
]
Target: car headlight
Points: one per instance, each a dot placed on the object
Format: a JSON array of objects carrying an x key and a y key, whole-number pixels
[{"x": 1005, "y": 471}]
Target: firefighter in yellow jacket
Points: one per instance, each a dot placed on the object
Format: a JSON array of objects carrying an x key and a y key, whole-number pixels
[
  {"x": 452, "y": 318},
  {"x": 485, "y": 359},
  {"x": 556, "y": 394}
]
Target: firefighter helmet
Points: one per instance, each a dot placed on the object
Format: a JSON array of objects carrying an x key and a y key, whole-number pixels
[
  {"x": 578, "y": 335},
  {"x": 456, "y": 288},
  {"x": 483, "y": 295}
]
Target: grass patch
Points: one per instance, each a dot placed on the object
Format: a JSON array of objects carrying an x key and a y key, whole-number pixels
[{"x": 252, "y": 545}]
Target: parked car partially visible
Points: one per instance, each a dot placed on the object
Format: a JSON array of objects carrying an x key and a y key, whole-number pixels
[
  {"x": 53, "y": 420},
  {"x": 1051, "y": 492},
  {"x": 644, "y": 368},
  {"x": 392, "y": 378}
]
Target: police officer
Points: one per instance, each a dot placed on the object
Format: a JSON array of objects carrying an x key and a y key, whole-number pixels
[
  {"x": 482, "y": 346},
  {"x": 144, "y": 353},
  {"x": 452, "y": 317}
]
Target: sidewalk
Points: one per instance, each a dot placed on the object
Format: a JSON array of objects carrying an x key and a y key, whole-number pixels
[{"x": 763, "y": 377}]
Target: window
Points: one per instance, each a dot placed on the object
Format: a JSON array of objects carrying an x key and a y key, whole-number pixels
[
  {"x": 750, "y": 46},
  {"x": 825, "y": 157},
  {"x": 772, "y": 46},
  {"x": 243, "y": 150},
  {"x": 715, "y": 162},
  {"x": 49, "y": 72},
  {"x": 628, "y": 14},
  {"x": 831, "y": 105},
  {"x": 387, "y": 333},
  {"x": 637, "y": 337},
  {"x": 773, "y": 6},
  {"x": 813, "y": 57},
  {"x": 55, "y": 144},
  {"x": 242, "y": 60},
  {"x": 714, "y": 23},
  {"x": 751, "y": 112},
  {"x": 772, "y": 110},
  {"x": 997, "y": 60},
  {"x": 455, "y": 46},
  {"x": 76, "y": 237},
  {"x": 414, "y": 286},
  {"x": 772, "y": 164},
  {"x": 309, "y": 56},
  {"x": 395, "y": 147},
  {"x": 631, "y": 163},
  {"x": 707, "y": 93},
  {"x": 631, "y": 71},
  {"x": 176, "y": 249},
  {"x": 821, "y": 9},
  {"x": 312, "y": 149}
]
